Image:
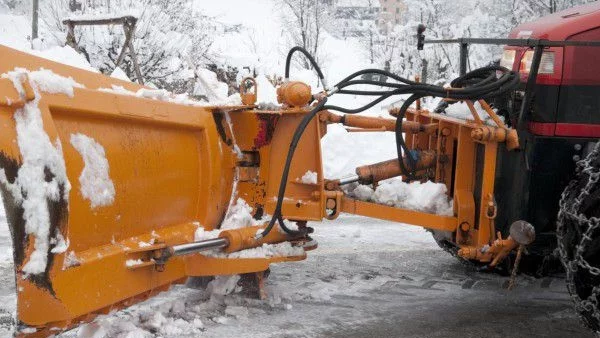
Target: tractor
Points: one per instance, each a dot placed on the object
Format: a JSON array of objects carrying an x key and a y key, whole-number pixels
[
  {"x": 114, "y": 191},
  {"x": 550, "y": 181}
]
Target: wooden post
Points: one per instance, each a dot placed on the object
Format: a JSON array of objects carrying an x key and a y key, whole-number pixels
[
  {"x": 129, "y": 28},
  {"x": 136, "y": 66},
  {"x": 71, "y": 41},
  {"x": 125, "y": 46},
  {"x": 128, "y": 23},
  {"x": 34, "y": 20}
]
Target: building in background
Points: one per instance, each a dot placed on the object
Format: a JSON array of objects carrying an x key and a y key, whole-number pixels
[
  {"x": 390, "y": 14},
  {"x": 354, "y": 18}
]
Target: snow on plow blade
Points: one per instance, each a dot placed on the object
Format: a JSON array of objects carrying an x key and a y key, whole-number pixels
[{"x": 94, "y": 178}]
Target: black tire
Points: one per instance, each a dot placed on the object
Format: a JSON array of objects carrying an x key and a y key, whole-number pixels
[
  {"x": 445, "y": 241},
  {"x": 531, "y": 264},
  {"x": 578, "y": 233}
]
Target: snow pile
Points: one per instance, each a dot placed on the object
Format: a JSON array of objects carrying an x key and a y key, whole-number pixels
[
  {"x": 118, "y": 73},
  {"x": 133, "y": 262},
  {"x": 166, "y": 96},
  {"x": 224, "y": 285},
  {"x": 427, "y": 197},
  {"x": 42, "y": 80},
  {"x": 461, "y": 111},
  {"x": 15, "y": 31},
  {"x": 344, "y": 151},
  {"x": 239, "y": 216},
  {"x": 160, "y": 318},
  {"x": 284, "y": 249},
  {"x": 65, "y": 55},
  {"x": 32, "y": 187},
  {"x": 96, "y": 185},
  {"x": 266, "y": 92},
  {"x": 310, "y": 177},
  {"x": 209, "y": 86}
]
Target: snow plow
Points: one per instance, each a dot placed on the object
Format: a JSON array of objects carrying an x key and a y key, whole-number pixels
[{"x": 114, "y": 191}]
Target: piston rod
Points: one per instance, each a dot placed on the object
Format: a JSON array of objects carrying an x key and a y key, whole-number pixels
[
  {"x": 349, "y": 179},
  {"x": 190, "y": 248}
]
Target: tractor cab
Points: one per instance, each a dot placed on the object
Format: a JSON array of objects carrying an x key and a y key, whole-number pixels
[{"x": 565, "y": 100}]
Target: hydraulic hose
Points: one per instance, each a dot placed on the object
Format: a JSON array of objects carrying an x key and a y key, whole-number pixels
[
  {"x": 311, "y": 59},
  {"x": 277, "y": 216},
  {"x": 475, "y": 85}
]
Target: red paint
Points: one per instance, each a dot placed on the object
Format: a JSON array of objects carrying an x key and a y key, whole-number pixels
[
  {"x": 572, "y": 65},
  {"x": 266, "y": 128},
  {"x": 564, "y": 129},
  {"x": 577, "y": 129}
]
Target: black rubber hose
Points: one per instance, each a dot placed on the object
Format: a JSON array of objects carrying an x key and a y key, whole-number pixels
[
  {"x": 277, "y": 215},
  {"x": 311, "y": 59},
  {"x": 363, "y": 92},
  {"x": 477, "y": 84},
  {"x": 472, "y": 92},
  {"x": 376, "y": 71},
  {"x": 400, "y": 143}
]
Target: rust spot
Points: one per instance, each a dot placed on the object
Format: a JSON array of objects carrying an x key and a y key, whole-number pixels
[
  {"x": 48, "y": 175},
  {"x": 260, "y": 211},
  {"x": 220, "y": 122},
  {"x": 14, "y": 211},
  {"x": 266, "y": 128},
  {"x": 10, "y": 166}
]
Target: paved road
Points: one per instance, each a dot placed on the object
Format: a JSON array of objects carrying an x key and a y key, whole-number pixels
[
  {"x": 411, "y": 290},
  {"x": 435, "y": 298}
]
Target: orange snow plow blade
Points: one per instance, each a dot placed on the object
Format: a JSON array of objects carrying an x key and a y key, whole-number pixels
[{"x": 96, "y": 180}]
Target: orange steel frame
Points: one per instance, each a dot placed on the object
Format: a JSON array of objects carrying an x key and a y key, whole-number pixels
[{"x": 177, "y": 168}]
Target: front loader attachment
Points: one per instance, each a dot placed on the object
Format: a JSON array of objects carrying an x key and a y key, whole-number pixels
[
  {"x": 99, "y": 175},
  {"x": 112, "y": 190}
]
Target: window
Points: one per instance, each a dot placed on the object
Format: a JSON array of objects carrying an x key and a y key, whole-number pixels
[
  {"x": 397, "y": 9},
  {"x": 385, "y": 9}
]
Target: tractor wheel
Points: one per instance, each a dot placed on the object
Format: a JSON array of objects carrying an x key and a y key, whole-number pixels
[
  {"x": 444, "y": 241},
  {"x": 578, "y": 234}
]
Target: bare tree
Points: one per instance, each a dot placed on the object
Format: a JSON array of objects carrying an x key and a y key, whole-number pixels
[
  {"x": 536, "y": 8},
  {"x": 304, "y": 21},
  {"x": 170, "y": 37}
]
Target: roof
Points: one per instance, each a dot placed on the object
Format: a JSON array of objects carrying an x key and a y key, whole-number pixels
[
  {"x": 561, "y": 25},
  {"x": 357, "y": 3}
]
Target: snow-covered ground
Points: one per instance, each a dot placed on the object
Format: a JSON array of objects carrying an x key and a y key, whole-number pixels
[{"x": 8, "y": 296}]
